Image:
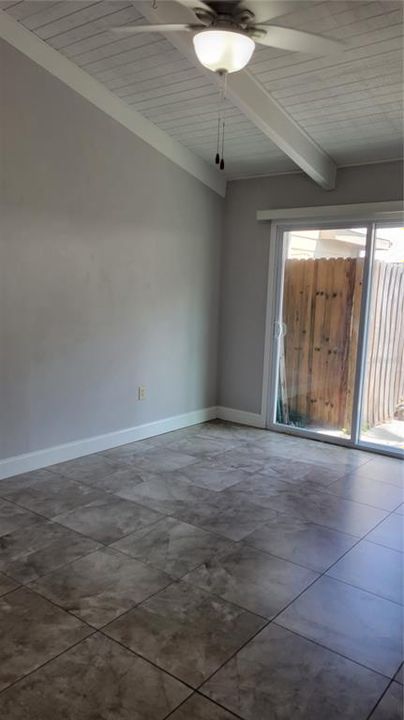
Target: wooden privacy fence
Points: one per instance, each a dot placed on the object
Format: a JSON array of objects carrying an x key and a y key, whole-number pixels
[
  {"x": 384, "y": 383},
  {"x": 321, "y": 308}
]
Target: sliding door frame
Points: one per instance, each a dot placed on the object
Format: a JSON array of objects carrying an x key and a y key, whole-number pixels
[{"x": 277, "y": 255}]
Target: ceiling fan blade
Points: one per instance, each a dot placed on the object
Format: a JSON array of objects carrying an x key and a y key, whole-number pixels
[
  {"x": 297, "y": 41},
  {"x": 265, "y": 10},
  {"x": 196, "y": 5},
  {"x": 131, "y": 29}
]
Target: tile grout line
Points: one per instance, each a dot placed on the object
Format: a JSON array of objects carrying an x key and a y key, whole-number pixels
[
  {"x": 93, "y": 629},
  {"x": 368, "y": 717},
  {"x": 47, "y": 662}
]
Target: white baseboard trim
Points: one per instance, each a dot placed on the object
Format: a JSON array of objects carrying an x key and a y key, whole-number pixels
[
  {"x": 240, "y": 416},
  {"x": 60, "y": 453}
]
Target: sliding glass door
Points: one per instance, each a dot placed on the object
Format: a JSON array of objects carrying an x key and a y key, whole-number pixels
[
  {"x": 339, "y": 334},
  {"x": 382, "y": 415}
]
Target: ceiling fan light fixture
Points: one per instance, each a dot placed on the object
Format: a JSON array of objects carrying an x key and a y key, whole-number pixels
[{"x": 223, "y": 51}]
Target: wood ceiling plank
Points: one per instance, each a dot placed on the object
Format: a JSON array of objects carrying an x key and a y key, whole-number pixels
[
  {"x": 168, "y": 92},
  {"x": 150, "y": 58},
  {"x": 149, "y": 75},
  {"x": 22, "y": 10},
  {"x": 161, "y": 81},
  {"x": 189, "y": 109},
  {"x": 355, "y": 71},
  {"x": 364, "y": 100},
  {"x": 331, "y": 93},
  {"x": 318, "y": 65},
  {"x": 86, "y": 30},
  {"x": 54, "y": 11},
  {"x": 185, "y": 99},
  {"x": 108, "y": 46},
  {"x": 85, "y": 16},
  {"x": 141, "y": 49}
]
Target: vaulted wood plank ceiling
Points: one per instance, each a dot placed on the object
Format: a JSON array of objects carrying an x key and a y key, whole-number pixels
[{"x": 349, "y": 104}]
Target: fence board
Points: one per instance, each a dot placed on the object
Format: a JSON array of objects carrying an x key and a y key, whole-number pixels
[{"x": 321, "y": 308}]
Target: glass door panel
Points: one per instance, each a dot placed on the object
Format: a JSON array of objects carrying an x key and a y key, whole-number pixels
[
  {"x": 382, "y": 418},
  {"x": 317, "y": 331}
]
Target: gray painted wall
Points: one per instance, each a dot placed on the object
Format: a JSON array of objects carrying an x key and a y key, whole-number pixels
[
  {"x": 109, "y": 271},
  {"x": 245, "y": 263}
]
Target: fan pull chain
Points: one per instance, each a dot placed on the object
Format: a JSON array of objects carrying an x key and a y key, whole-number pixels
[
  {"x": 222, "y": 158},
  {"x": 219, "y": 159}
]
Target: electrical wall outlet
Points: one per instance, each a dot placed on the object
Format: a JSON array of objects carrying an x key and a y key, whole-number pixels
[{"x": 141, "y": 392}]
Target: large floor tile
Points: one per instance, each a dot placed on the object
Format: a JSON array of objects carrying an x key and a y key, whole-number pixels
[
  {"x": 238, "y": 458},
  {"x": 108, "y": 519},
  {"x": 96, "y": 680},
  {"x": 334, "y": 457},
  {"x": 350, "y": 621},
  {"x": 101, "y": 586},
  {"x": 261, "y": 489},
  {"x": 54, "y": 496},
  {"x": 198, "y": 707},
  {"x": 385, "y": 469},
  {"x": 169, "y": 494},
  {"x": 297, "y": 472},
  {"x": 337, "y": 460},
  {"x": 7, "y": 584},
  {"x": 250, "y": 456},
  {"x": 252, "y": 579},
  {"x": 121, "y": 481},
  {"x": 301, "y": 541},
  {"x": 20, "y": 482},
  {"x": 185, "y": 631},
  {"x": 13, "y": 517},
  {"x": 281, "y": 676},
  {"x": 241, "y": 433},
  {"x": 201, "y": 445},
  {"x": 212, "y": 475},
  {"x": 390, "y": 706},
  {"x": 182, "y": 433},
  {"x": 323, "y": 508},
  {"x": 373, "y": 568},
  {"x": 86, "y": 469},
  {"x": 162, "y": 460},
  {"x": 389, "y": 533},
  {"x": 127, "y": 452},
  {"x": 43, "y": 546},
  {"x": 172, "y": 546},
  {"x": 368, "y": 490},
  {"x": 399, "y": 677},
  {"x": 234, "y": 518},
  {"x": 33, "y": 631}
]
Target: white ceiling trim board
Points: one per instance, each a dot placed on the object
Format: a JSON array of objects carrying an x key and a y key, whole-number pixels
[
  {"x": 391, "y": 209},
  {"x": 262, "y": 109},
  {"x": 96, "y": 93}
]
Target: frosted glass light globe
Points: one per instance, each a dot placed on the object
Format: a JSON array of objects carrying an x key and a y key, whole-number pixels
[{"x": 223, "y": 50}]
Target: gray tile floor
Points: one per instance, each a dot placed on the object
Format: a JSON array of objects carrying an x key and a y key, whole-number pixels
[{"x": 213, "y": 573}]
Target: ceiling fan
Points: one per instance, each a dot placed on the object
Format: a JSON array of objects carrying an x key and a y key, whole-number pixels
[{"x": 225, "y": 33}]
